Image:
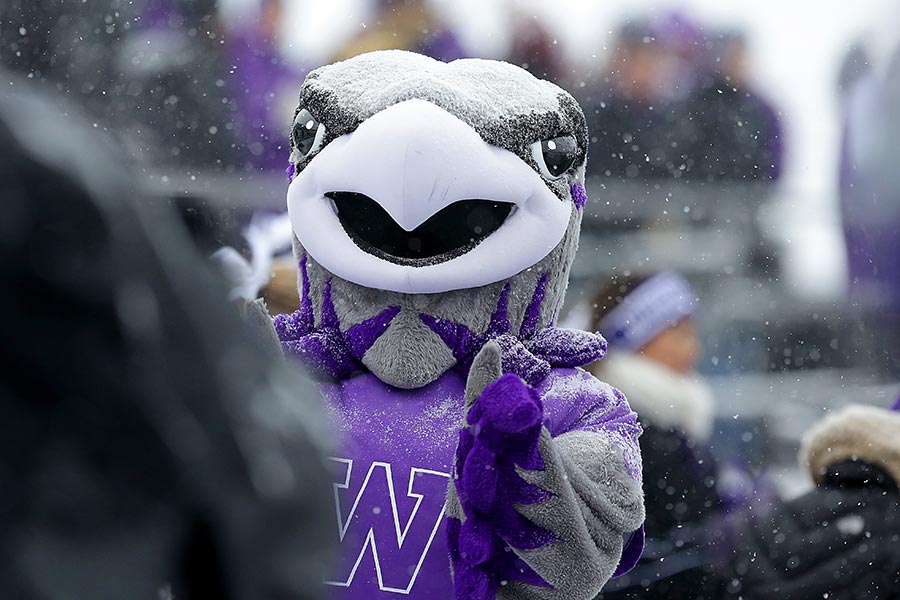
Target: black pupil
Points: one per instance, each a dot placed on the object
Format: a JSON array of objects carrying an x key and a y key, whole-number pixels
[
  {"x": 305, "y": 126},
  {"x": 559, "y": 154}
]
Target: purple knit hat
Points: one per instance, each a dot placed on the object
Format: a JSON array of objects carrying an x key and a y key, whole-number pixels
[
  {"x": 654, "y": 305},
  {"x": 896, "y": 406}
]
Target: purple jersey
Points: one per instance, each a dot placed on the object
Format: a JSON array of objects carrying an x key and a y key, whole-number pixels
[{"x": 396, "y": 457}]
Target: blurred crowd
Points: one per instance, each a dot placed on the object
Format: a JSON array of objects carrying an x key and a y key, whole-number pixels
[
  {"x": 676, "y": 101},
  {"x": 716, "y": 527},
  {"x": 186, "y": 83}
]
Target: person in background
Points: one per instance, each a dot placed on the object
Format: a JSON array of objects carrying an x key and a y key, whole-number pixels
[
  {"x": 153, "y": 71},
  {"x": 677, "y": 103},
  {"x": 869, "y": 187},
  {"x": 637, "y": 117},
  {"x": 534, "y": 48},
  {"x": 263, "y": 84},
  {"x": 842, "y": 539},
  {"x": 653, "y": 348},
  {"x": 743, "y": 139},
  {"x": 261, "y": 265},
  {"x": 150, "y": 446},
  {"x": 406, "y": 25}
]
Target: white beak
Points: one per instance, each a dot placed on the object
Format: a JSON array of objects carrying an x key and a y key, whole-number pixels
[{"x": 414, "y": 159}]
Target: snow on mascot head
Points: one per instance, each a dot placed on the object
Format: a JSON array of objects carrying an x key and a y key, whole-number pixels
[{"x": 436, "y": 209}]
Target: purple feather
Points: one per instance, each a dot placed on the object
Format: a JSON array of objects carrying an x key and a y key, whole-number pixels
[
  {"x": 516, "y": 358},
  {"x": 291, "y": 327},
  {"x": 579, "y": 195},
  {"x": 324, "y": 353},
  {"x": 306, "y": 307},
  {"x": 500, "y": 318},
  {"x": 362, "y": 336},
  {"x": 567, "y": 347},
  {"x": 329, "y": 315},
  {"x": 455, "y": 336},
  {"x": 631, "y": 552},
  {"x": 533, "y": 312},
  {"x": 326, "y": 350},
  {"x": 533, "y": 353},
  {"x": 505, "y": 425}
]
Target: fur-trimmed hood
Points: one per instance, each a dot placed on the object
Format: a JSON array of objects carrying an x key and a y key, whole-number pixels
[
  {"x": 856, "y": 432},
  {"x": 658, "y": 394}
]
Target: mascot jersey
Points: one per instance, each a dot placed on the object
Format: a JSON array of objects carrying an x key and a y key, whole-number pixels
[{"x": 436, "y": 209}]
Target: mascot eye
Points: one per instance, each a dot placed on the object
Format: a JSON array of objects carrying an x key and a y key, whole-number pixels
[
  {"x": 555, "y": 156},
  {"x": 307, "y": 133}
]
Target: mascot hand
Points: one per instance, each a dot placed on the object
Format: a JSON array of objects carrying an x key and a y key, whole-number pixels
[
  {"x": 542, "y": 517},
  {"x": 501, "y": 436}
]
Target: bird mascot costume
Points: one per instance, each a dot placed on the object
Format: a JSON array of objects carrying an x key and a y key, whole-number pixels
[{"x": 436, "y": 209}]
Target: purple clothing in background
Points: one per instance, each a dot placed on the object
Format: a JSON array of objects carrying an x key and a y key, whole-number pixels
[
  {"x": 157, "y": 13},
  {"x": 259, "y": 79},
  {"x": 870, "y": 190},
  {"x": 443, "y": 46},
  {"x": 395, "y": 464}
]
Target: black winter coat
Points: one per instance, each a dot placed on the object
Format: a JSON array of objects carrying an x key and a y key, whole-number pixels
[
  {"x": 630, "y": 139},
  {"x": 680, "y": 499},
  {"x": 841, "y": 542}
]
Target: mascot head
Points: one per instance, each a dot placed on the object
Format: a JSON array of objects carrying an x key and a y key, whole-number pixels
[{"x": 434, "y": 206}]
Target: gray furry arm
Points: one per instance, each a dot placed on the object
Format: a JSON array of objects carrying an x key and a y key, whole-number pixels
[{"x": 595, "y": 505}]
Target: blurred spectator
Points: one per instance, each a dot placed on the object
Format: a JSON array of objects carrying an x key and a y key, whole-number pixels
[
  {"x": 264, "y": 85},
  {"x": 261, "y": 264},
  {"x": 869, "y": 183},
  {"x": 855, "y": 66},
  {"x": 280, "y": 293},
  {"x": 676, "y": 104},
  {"x": 177, "y": 109},
  {"x": 37, "y": 40},
  {"x": 686, "y": 51},
  {"x": 841, "y": 539},
  {"x": 636, "y": 129},
  {"x": 743, "y": 140},
  {"x": 151, "y": 447},
  {"x": 406, "y": 25},
  {"x": 653, "y": 351},
  {"x": 535, "y": 49}
]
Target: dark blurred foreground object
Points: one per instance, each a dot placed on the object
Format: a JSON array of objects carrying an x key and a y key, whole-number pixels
[
  {"x": 842, "y": 540},
  {"x": 149, "y": 445}
]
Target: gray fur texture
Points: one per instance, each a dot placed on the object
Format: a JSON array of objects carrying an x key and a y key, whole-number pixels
[
  {"x": 486, "y": 368},
  {"x": 259, "y": 321},
  {"x": 595, "y": 504},
  {"x": 409, "y": 354},
  {"x": 510, "y": 109}
]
